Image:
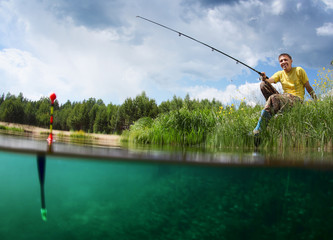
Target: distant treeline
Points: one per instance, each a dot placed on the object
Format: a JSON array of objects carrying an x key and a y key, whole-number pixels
[{"x": 92, "y": 116}]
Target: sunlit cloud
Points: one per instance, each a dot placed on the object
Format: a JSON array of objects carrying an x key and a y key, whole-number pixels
[
  {"x": 325, "y": 30},
  {"x": 249, "y": 93}
]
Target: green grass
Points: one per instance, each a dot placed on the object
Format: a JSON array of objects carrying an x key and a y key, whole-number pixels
[
  {"x": 179, "y": 127},
  {"x": 80, "y": 137},
  {"x": 306, "y": 125},
  {"x": 11, "y": 129},
  {"x": 234, "y": 126}
]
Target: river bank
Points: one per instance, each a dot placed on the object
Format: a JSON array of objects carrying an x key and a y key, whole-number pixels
[{"x": 79, "y": 137}]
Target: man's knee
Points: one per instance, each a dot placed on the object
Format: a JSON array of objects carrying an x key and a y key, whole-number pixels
[
  {"x": 273, "y": 103},
  {"x": 275, "y": 96}
]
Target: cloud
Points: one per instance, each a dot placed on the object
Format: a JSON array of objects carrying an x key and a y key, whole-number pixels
[
  {"x": 328, "y": 3},
  {"x": 249, "y": 92},
  {"x": 259, "y": 30},
  {"x": 278, "y": 7},
  {"x": 23, "y": 71},
  {"x": 210, "y": 3},
  {"x": 100, "y": 49},
  {"x": 76, "y": 61},
  {"x": 325, "y": 30}
]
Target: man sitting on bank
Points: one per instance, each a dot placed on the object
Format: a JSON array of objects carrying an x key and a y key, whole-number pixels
[{"x": 293, "y": 81}]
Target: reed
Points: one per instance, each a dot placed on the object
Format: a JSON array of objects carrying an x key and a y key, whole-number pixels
[
  {"x": 80, "y": 137},
  {"x": 234, "y": 126},
  {"x": 179, "y": 127},
  {"x": 305, "y": 125}
]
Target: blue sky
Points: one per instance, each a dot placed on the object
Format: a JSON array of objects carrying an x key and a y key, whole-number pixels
[{"x": 98, "y": 48}]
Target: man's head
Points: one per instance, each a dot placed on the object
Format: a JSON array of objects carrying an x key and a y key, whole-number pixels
[{"x": 285, "y": 61}]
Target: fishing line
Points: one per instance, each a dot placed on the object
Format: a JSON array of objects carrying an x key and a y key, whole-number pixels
[{"x": 205, "y": 44}]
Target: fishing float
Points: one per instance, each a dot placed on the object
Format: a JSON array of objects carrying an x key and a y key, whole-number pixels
[{"x": 41, "y": 162}]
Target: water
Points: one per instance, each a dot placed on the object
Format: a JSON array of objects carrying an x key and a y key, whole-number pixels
[{"x": 124, "y": 198}]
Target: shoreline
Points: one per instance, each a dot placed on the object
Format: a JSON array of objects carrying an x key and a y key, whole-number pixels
[{"x": 38, "y": 133}]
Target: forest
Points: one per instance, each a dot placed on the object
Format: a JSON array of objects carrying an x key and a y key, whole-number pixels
[{"x": 91, "y": 116}]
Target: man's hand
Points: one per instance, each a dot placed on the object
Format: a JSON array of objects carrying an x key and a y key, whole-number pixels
[
  {"x": 263, "y": 76},
  {"x": 310, "y": 90}
]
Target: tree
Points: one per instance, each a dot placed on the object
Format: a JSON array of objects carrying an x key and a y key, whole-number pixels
[
  {"x": 30, "y": 113},
  {"x": 144, "y": 107},
  {"x": 101, "y": 121},
  {"x": 113, "y": 117},
  {"x": 134, "y": 109},
  {"x": 126, "y": 112},
  {"x": 176, "y": 103},
  {"x": 2, "y": 99},
  {"x": 92, "y": 117},
  {"x": 43, "y": 112},
  {"x": 12, "y": 110},
  {"x": 74, "y": 120},
  {"x": 61, "y": 115}
]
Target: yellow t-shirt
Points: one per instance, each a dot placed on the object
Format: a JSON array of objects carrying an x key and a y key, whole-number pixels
[{"x": 292, "y": 82}]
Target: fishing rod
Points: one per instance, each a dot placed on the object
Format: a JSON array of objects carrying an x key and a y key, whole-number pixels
[{"x": 212, "y": 48}]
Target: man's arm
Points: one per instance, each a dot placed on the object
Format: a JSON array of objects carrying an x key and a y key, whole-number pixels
[{"x": 310, "y": 90}]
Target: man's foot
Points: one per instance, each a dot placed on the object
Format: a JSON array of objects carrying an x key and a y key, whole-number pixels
[
  {"x": 256, "y": 132},
  {"x": 257, "y": 140}
]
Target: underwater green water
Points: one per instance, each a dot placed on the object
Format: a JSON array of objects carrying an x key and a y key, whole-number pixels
[{"x": 93, "y": 199}]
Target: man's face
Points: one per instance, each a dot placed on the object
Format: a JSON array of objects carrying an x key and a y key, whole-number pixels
[{"x": 285, "y": 63}]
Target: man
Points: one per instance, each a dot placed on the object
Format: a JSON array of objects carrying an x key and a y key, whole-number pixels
[{"x": 293, "y": 81}]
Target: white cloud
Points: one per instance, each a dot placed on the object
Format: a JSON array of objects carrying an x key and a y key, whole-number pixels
[
  {"x": 325, "y": 30},
  {"x": 278, "y": 7},
  {"x": 25, "y": 73},
  {"x": 299, "y": 6},
  {"x": 328, "y": 3},
  {"x": 110, "y": 54},
  {"x": 74, "y": 61},
  {"x": 249, "y": 92}
]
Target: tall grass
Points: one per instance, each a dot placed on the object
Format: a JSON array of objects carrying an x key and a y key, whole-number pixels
[
  {"x": 305, "y": 125},
  {"x": 12, "y": 130},
  {"x": 179, "y": 127},
  {"x": 80, "y": 137},
  {"x": 234, "y": 126}
]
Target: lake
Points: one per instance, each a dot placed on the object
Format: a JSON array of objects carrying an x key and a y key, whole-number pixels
[{"x": 118, "y": 193}]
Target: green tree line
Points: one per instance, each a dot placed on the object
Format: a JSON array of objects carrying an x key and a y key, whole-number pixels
[{"x": 92, "y": 116}]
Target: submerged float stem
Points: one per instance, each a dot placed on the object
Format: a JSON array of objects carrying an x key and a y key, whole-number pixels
[{"x": 41, "y": 164}]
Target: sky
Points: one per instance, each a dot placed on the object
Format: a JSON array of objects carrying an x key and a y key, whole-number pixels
[{"x": 83, "y": 49}]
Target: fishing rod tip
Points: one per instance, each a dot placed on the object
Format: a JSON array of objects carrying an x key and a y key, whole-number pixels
[{"x": 43, "y": 213}]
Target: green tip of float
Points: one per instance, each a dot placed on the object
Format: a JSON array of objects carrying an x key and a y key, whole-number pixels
[{"x": 43, "y": 212}]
